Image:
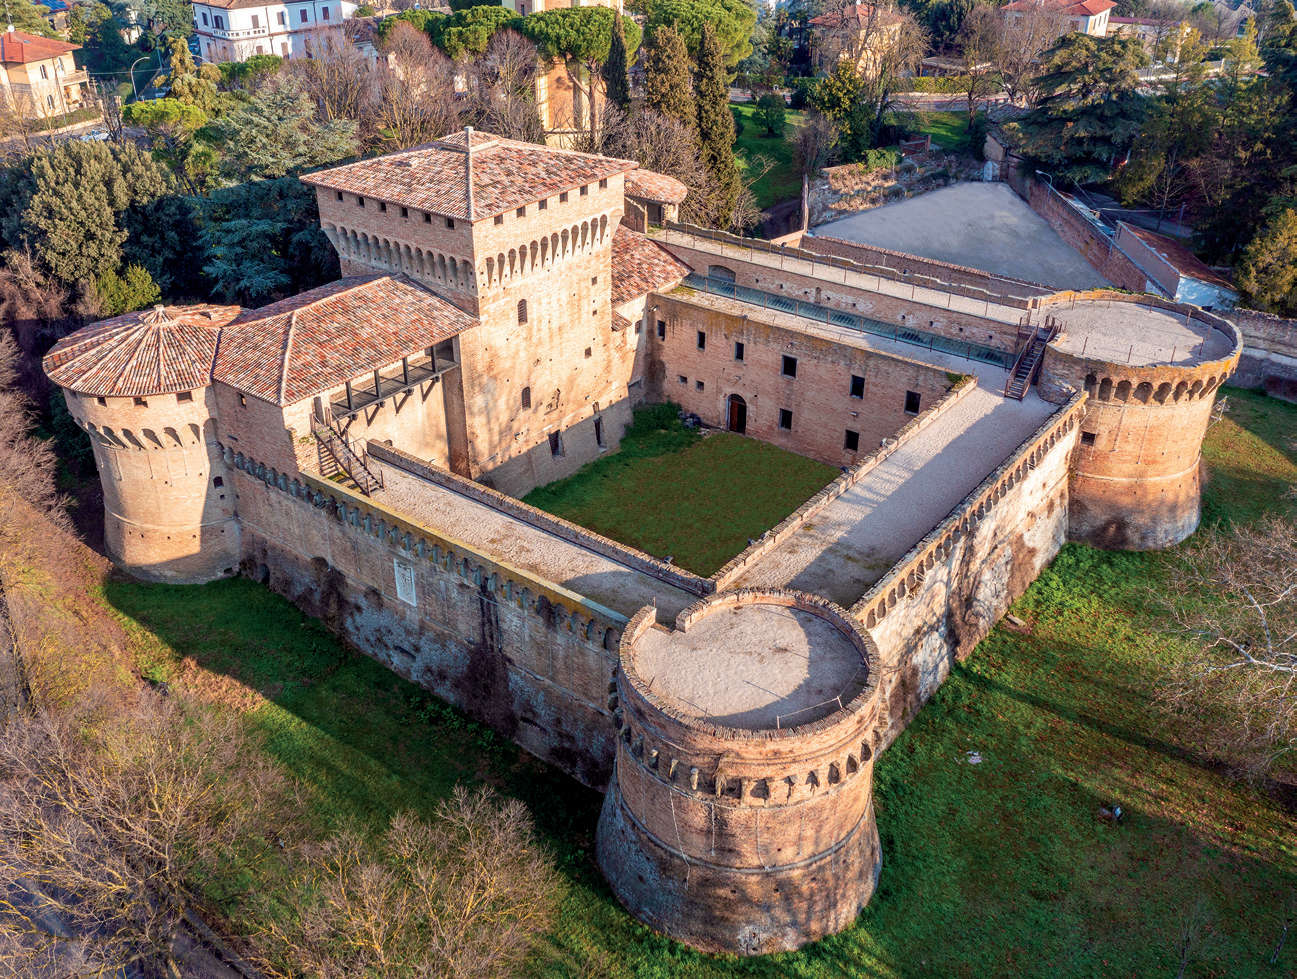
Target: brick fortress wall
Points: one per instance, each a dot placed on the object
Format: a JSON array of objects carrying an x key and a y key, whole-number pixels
[{"x": 1269, "y": 360}]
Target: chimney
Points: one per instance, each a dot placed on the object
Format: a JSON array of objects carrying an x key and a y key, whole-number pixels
[{"x": 468, "y": 147}]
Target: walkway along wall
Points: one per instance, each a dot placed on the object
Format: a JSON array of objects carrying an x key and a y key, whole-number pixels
[
  {"x": 524, "y": 655},
  {"x": 947, "y": 593},
  {"x": 1269, "y": 360}
]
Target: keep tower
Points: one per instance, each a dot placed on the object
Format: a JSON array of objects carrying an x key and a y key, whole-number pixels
[{"x": 140, "y": 386}]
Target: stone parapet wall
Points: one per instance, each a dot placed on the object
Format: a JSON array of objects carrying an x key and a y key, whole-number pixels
[
  {"x": 874, "y": 256},
  {"x": 777, "y": 535},
  {"x": 388, "y": 456},
  {"x": 527, "y": 656},
  {"x": 1269, "y": 360},
  {"x": 1102, "y": 252},
  {"x": 940, "y": 599}
]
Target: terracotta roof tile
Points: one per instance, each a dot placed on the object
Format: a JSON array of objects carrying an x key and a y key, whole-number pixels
[
  {"x": 640, "y": 265},
  {"x": 19, "y": 47},
  {"x": 653, "y": 186},
  {"x": 1179, "y": 256},
  {"x": 316, "y": 341},
  {"x": 506, "y": 174},
  {"x": 1069, "y": 8},
  {"x": 860, "y": 13},
  {"x": 157, "y": 351}
]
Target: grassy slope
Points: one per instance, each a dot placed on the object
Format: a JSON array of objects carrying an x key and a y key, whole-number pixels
[
  {"x": 949, "y": 130},
  {"x": 994, "y": 869},
  {"x": 782, "y": 181},
  {"x": 670, "y": 491}
]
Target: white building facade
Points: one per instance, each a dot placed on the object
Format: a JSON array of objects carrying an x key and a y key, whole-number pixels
[{"x": 235, "y": 30}]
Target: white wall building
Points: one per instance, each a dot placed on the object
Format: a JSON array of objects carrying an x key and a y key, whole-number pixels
[{"x": 235, "y": 30}]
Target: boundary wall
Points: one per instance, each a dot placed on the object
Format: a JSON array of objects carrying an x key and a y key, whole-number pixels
[
  {"x": 563, "y": 529},
  {"x": 945, "y": 595},
  {"x": 524, "y": 655},
  {"x": 1269, "y": 360},
  {"x": 737, "y": 566}
]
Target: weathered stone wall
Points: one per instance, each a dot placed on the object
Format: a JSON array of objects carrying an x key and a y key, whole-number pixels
[
  {"x": 738, "y": 840},
  {"x": 524, "y": 655},
  {"x": 947, "y": 593},
  {"x": 703, "y": 379},
  {"x": 1269, "y": 360},
  {"x": 1101, "y": 251},
  {"x": 168, "y": 505}
]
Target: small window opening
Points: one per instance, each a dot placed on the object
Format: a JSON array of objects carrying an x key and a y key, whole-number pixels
[
  {"x": 911, "y": 402},
  {"x": 682, "y": 379},
  {"x": 218, "y": 481},
  {"x": 562, "y": 198},
  {"x": 598, "y": 432},
  {"x": 522, "y": 311},
  {"x": 603, "y": 184},
  {"x": 1087, "y": 438},
  {"x": 852, "y": 441},
  {"x": 382, "y": 206},
  {"x": 427, "y": 218},
  {"x": 243, "y": 400},
  {"x": 556, "y": 444},
  {"x": 662, "y": 329},
  {"x": 542, "y": 205},
  {"x": 339, "y": 193},
  {"x": 360, "y": 202},
  {"x": 698, "y": 385},
  {"x": 785, "y": 419},
  {"x": 183, "y": 396},
  {"x": 526, "y": 396},
  {"x": 405, "y": 212},
  {"x": 141, "y": 403},
  {"x": 499, "y": 219},
  {"x": 585, "y": 190},
  {"x": 450, "y": 222},
  {"x": 790, "y": 366},
  {"x": 589, "y": 352},
  {"x": 857, "y": 386},
  {"x": 738, "y": 350},
  {"x": 102, "y": 401},
  {"x": 521, "y": 212},
  {"x": 702, "y": 340}
]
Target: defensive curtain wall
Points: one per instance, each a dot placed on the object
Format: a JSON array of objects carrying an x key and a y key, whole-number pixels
[{"x": 731, "y": 823}]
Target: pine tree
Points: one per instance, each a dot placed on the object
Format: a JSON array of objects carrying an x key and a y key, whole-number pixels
[
  {"x": 616, "y": 70},
  {"x": 716, "y": 127},
  {"x": 667, "y": 88}
]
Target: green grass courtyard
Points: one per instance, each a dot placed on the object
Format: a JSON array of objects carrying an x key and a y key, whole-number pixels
[{"x": 993, "y": 869}]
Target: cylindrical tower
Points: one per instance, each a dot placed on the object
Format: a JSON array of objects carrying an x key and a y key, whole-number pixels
[
  {"x": 140, "y": 386},
  {"x": 740, "y": 814},
  {"x": 1151, "y": 369}
]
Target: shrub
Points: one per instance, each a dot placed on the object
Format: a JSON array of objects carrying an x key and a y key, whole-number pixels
[{"x": 770, "y": 113}]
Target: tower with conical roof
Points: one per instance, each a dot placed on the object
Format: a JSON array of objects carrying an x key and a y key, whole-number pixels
[{"x": 140, "y": 387}]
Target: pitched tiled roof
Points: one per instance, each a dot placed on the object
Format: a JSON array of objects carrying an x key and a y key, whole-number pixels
[
  {"x": 158, "y": 351},
  {"x": 640, "y": 265},
  {"x": 1068, "y": 8},
  {"x": 19, "y": 47},
  {"x": 1179, "y": 256},
  {"x": 506, "y": 174},
  {"x": 315, "y": 341},
  {"x": 653, "y": 186},
  {"x": 859, "y": 13}
]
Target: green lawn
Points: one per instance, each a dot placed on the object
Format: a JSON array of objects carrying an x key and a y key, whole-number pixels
[
  {"x": 782, "y": 181},
  {"x": 671, "y": 491},
  {"x": 989, "y": 870},
  {"x": 948, "y": 129}
]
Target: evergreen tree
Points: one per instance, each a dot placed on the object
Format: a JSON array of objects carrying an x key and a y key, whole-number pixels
[
  {"x": 133, "y": 289},
  {"x": 1089, "y": 112},
  {"x": 616, "y": 71},
  {"x": 1267, "y": 275},
  {"x": 716, "y": 127},
  {"x": 278, "y": 133},
  {"x": 667, "y": 88}
]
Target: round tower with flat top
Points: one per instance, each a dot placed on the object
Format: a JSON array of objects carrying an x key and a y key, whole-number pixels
[
  {"x": 140, "y": 386},
  {"x": 740, "y": 816}
]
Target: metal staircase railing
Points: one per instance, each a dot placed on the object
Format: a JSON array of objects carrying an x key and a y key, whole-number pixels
[
  {"x": 1027, "y": 363},
  {"x": 332, "y": 443}
]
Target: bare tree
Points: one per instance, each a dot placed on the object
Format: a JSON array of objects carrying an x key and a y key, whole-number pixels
[
  {"x": 1025, "y": 36},
  {"x": 112, "y": 823},
  {"x": 27, "y": 464},
  {"x": 111, "y": 103},
  {"x": 979, "y": 39},
  {"x": 338, "y": 80},
  {"x": 813, "y": 147},
  {"x": 502, "y": 88},
  {"x": 463, "y": 896},
  {"x": 1237, "y": 600},
  {"x": 416, "y": 101}
]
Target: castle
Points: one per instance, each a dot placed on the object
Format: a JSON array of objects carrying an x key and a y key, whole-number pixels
[{"x": 361, "y": 448}]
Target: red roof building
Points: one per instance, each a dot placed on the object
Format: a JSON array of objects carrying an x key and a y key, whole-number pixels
[
  {"x": 1084, "y": 16},
  {"x": 38, "y": 76}
]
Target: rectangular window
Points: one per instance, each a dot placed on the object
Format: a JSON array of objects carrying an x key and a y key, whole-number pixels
[
  {"x": 220, "y": 21},
  {"x": 206, "y": 21},
  {"x": 102, "y": 401},
  {"x": 360, "y": 202},
  {"x": 499, "y": 219},
  {"x": 682, "y": 379},
  {"x": 542, "y": 205},
  {"x": 594, "y": 280},
  {"x": 427, "y": 218},
  {"x": 603, "y": 184},
  {"x": 585, "y": 190},
  {"x": 303, "y": 16},
  {"x": 857, "y": 386},
  {"x": 382, "y": 206},
  {"x": 911, "y": 402},
  {"x": 183, "y": 396},
  {"x": 698, "y": 385},
  {"x": 218, "y": 481},
  {"x": 405, "y": 212},
  {"x": 450, "y": 222},
  {"x": 562, "y": 198},
  {"x": 141, "y": 403},
  {"x": 281, "y": 19},
  {"x": 598, "y": 432},
  {"x": 785, "y": 419},
  {"x": 256, "y": 21},
  {"x": 555, "y": 444},
  {"x": 738, "y": 350},
  {"x": 521, "y": 212},
  {"x": 852, "y": 441},
  {"x": 702, "y": 340},
  {"x": 662, "y": 329},
  {"x": 790, "y": 366},
  {"x": 324, "y": 13},
  {"x": 339, "y": 193},
  {"x": 1087, "y": 438}
]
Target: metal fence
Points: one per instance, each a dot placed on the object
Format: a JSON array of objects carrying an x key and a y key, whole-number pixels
[{"x": 850, "y": 321}]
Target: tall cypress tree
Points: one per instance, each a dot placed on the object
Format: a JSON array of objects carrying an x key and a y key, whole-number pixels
[
  {"x": 616, "y": 74},
  {"x": 667, "y": 88},
  {"x": 716, "y": 126}
]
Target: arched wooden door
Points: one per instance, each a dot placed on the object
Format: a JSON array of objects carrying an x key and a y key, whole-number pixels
[{"x": 738, "y": 414}]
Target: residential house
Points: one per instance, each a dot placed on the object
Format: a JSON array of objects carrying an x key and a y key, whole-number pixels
[
  {"x": 235, "y": 30},
  {"x": 860, "y": 33},
  {"x": 1160, "y": 37},
  {"x": 1083, "y": 16},
  {"x": 38, "y": 75}
]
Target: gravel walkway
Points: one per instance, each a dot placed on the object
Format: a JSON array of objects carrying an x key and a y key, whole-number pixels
[
  {"x": 853, "y": 542},
  {"x": 508, "y": 539}
]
